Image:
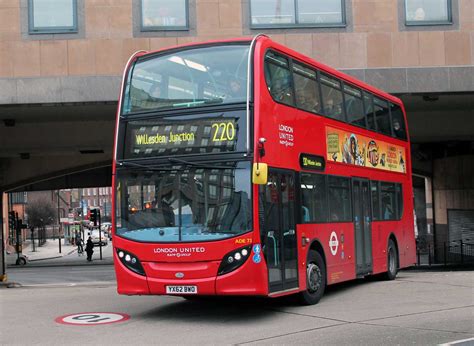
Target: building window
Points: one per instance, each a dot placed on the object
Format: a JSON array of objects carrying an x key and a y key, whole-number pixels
[
  {"x": 158, "y": 15},
  {"x": 296, "y": 13},
  {"x": 52, "y": 16},
  {"x": 428, "y": 12}
]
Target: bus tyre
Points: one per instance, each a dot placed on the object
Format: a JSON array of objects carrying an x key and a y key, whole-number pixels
[
  {"x": 392, "y": 261},
  {"x": 315, "y": 279}
]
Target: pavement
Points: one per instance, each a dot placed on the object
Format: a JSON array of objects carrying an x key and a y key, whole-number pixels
[{"x": 48, "y": 255}]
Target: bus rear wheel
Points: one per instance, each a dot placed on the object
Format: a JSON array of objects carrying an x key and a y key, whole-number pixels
[
  {"x": 315, "y": 279},
  {"x": 392, "y": 261}
]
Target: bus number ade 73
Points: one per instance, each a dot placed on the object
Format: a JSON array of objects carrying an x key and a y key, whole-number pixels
[{"x": 242, "y": 167}]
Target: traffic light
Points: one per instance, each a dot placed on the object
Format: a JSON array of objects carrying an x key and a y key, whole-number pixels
[
  {"x": 11, "y": 220},
  {"x": 94, "y": 216}
]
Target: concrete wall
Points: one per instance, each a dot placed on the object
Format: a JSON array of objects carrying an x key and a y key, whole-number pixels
[
  {"x": 453, "y": 186},
  {"x": 376, "y": 46}
]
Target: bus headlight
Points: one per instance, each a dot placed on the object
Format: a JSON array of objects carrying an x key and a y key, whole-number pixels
[
  {"x": 234, "y": 260},
  {"x": 130, "y": 261}
]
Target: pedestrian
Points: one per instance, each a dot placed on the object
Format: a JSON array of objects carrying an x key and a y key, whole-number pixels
[
  {"x": 89, "y": 249},
  {"x": 79, "y": 244}
]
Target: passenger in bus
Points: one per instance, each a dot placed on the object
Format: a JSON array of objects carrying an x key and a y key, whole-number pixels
[
  {"x": 397, "y": 129},
  {"x": 388, "y": 211},
  {"x": 329, "y": 109},
  {"x": 300, "y": 99},
  {"x": 235, "y": 90},
  {"x": 305, "y": 212},
  {"x": 155, "y": 91},
  {"x": 315, "y": 108},
  {"x": 333, "y": 110},
  {"x": 281, "y": 91},
  {"x": 306, "y": 101}
]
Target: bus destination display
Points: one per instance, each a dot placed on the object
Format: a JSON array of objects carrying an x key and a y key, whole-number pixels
[
  {"x": 173, "y": 137},
  {"x": 312, "y": 162}
]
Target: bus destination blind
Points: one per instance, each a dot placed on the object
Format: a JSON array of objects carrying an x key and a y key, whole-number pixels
[
  {"x": 312, "y": 162},
  {"x": 168, "y": 137}
]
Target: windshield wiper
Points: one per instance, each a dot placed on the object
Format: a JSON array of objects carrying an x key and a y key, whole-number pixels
[
  {"x": 198, "y": 102},
  {"x": 196, "y": 164},
  {"x": 145, "y": 167}
]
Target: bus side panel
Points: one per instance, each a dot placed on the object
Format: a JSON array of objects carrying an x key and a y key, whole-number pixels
[
  {"x": 339, "y": 247},
  {"x": 128, "y": 282},
  {"x": 405, "y": 240},
  {"x": 337, "y": 240},
  {"x": 381, "y": 231},
  {"x": 409, "y": 246}
]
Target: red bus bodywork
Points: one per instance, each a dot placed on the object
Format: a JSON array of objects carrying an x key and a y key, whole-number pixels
[{"x": 309, "y": 131}]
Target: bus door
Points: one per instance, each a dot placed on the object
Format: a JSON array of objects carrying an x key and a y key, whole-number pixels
[
  {"x": 362, "y": 226},
  {"x": 278, "y": 229}
]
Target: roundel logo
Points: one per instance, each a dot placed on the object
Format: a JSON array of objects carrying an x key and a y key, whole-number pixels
[
  {"x": 179, "y": 275},
  {"x": 333, "y": 243}
]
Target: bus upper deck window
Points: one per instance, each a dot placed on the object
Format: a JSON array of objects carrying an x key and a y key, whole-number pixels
[
  {"x": 278, "y": 78},
  {"x": 398, "y": 122}
]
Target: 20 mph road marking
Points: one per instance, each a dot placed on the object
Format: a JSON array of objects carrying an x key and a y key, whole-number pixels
[{"x": 92, "y": 318}]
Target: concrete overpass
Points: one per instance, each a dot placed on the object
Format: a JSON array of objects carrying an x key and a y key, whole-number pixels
[{"x": 66, "y": 140}]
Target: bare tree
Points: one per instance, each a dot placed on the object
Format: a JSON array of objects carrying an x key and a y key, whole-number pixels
[{"x": 40, "y": 214}]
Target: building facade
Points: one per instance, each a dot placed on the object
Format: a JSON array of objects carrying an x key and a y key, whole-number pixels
[{"x": 61, "y": 63}]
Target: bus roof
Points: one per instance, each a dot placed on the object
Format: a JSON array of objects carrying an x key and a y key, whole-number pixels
[{"x": 284, "y": 49}]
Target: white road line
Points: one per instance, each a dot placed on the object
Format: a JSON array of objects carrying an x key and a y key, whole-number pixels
[{"x": 465, "y": 342}]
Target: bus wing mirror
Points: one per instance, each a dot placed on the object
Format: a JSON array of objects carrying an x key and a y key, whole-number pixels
[{"x": 260, "y": 173}]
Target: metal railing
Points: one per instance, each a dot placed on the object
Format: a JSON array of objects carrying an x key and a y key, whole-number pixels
[{"x": 458, "y": 252}]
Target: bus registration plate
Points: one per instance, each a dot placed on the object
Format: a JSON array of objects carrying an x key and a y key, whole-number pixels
[{"x": 181, "y": 290}]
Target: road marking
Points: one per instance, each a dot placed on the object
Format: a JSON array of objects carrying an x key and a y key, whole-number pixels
[
  {"x": 68, "y": 284},
  {"x": 92, "y": 318},
  {"x": 466, "y": 342}
]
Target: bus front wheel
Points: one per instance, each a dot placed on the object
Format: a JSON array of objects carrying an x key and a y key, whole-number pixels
[
  {"x": 315, "y": 279},
  {"x": 392, "y": 261}
]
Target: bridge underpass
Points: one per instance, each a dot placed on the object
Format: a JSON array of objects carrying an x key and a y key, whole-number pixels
[
  {"x": 69, "y": 145},
  {"x": 51, "y": 146},
  {"x": 65, "y": 145}
]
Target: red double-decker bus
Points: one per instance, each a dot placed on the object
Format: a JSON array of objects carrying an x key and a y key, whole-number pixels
[{"x": 245, "y": 168}]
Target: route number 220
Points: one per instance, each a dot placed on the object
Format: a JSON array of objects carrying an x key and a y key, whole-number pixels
[{"x": 223, "y": 132}]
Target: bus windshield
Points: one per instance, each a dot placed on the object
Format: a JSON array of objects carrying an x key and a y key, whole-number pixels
[
  {"x": 188, "y": 78},
  {"x": 183, "y": 202}
]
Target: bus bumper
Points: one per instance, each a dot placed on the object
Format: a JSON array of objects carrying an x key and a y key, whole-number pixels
[
  {"x": 249, "y": 279},
  {"x": 199, "y": 274}
]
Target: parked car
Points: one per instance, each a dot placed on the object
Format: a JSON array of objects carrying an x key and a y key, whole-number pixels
[
  {"x": 107, "y": 229},
  {"x": 106, "y": 226},
  {"x": 94, "y": 234},
  {"x": 12, "y": 259}
]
